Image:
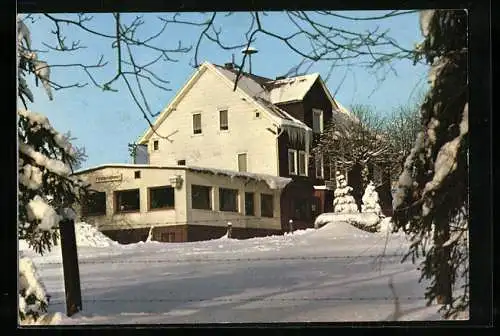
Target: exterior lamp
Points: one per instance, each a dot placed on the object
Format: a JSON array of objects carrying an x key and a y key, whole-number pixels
[{"x": 176, "y": 181}]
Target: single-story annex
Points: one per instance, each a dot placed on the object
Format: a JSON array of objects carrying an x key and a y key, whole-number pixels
[{"x": 182, "y": 203}]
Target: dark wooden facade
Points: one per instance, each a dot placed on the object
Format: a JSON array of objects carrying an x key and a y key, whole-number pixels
[
  {"x": 185, "y": 233},
  {"x": 296, "y": 204},
  {"x": 320, "y": 200}
]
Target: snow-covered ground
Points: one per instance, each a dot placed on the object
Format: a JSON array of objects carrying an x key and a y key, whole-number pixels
[{"x": 335, "y": 273}]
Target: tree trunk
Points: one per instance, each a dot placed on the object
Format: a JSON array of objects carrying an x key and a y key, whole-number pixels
[{"x": 443, "y": 269}]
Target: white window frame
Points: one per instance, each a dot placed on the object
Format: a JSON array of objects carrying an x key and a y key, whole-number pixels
[
  {"x": 319, "y": 159},
  {"x": 333, "y": 170},
  {"x": 295, "y": 157},
  {"x": 315, "y": 112},
  {"x": 305, "y": 163}
]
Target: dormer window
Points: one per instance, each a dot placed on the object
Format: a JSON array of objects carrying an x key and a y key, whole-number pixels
[{"x": 317, "y": 121}]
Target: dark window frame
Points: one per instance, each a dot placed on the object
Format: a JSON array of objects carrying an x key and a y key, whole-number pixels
[
  {"x": 210, "y": 196},
  {"x": 247, "y": 198},
  {"x": 151, "y": 190},
  {"x": 85, "y": 207},
  {"x": 197, "y": 130},
  {"x": 223, "y": 127},
  {"x": 117, "y": 203},
  {"x": 235, "y": 194},
  {"x": 264, "y": 213}
]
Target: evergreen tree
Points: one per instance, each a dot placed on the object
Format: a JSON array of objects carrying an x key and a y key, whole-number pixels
[
  {"x": 47, "y": 191},
  {"x": 431, "y": 200},
  {"x": 371, "y": 200},
  {"x": 343, "y": 201}
]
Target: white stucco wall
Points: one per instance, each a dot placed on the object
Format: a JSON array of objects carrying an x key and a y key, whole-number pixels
[
  {"x": 215, "y": 217},
  {"x": 215, "y": 148},
  {"x": 183, "y": 212},
  {"x": 144, "y": 218}
]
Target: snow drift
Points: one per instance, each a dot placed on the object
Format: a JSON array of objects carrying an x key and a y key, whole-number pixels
[
  {"x": 89, "y": 235},
  {"x": 32, "y": 295},
  {"x": 368, "y": 219}
]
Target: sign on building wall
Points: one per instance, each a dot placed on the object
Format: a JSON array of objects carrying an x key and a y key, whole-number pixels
[{"x": 110, "y": 178}]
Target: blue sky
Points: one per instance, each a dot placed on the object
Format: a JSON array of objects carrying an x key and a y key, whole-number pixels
[{"x": 105, "y": 122}]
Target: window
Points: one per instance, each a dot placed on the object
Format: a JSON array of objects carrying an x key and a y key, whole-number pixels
[
  {"x": 317, "y": 121},
  {"x": 302, "y": 163},
  {"x": 319, "y": 167},
  {"x": 333, "y": 170},
  {"x": 181, "y": 162},
  {"x": 168, "y": 237},
  {"x": 137, "y": 174},
  {"x": 223, "y": 120},
  {"x": 94, "y": 204},
  {"x": 242, "y": 162},
  {"x": 127, "y": 200},
  {"x": 257, "y": 115},
  {"x": 197, "y": 123},
  {"x": 156, "y": 145},
  {"x": 249, "y": 204},
  {"x": 201, "y": 197},
  {"x": 161, "y": 198},
  {"x": 266, "y": 205},
  {"x": 292, "y": 162},
  {"x": 228, "y": 200}
]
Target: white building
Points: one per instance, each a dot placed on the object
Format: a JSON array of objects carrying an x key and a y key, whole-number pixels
[{"x": 256, "y": 137}]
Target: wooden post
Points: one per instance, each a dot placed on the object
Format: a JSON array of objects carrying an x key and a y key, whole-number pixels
[
  {"x": 70, "y": 267},
  {"x": 290, "y": 226},
  {"x": 229, "y": 229}
]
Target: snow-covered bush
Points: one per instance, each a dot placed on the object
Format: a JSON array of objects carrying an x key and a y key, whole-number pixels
[
  {"x": 371, "y": 200},
  {"x": 386, "y": 225},
  {"x": 343, "y": 201},
  {"x": 33, "y": 298}
]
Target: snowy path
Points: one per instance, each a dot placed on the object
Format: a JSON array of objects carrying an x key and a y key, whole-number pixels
[{"x": 330, "y": 274}]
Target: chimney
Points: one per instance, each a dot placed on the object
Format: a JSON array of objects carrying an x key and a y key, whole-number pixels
[{"x": 229, "y": 66}]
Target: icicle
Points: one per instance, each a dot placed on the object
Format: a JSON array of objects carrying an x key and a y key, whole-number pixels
[{"x": 42, "y": 70}]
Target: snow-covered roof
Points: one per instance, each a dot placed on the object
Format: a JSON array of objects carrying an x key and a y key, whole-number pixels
[
  {"x": 249, "y": 85},
  {"x": 291, "y": 89},
  {"x": 345, "y": 111},
  {"x": 273, "y": 182},
  {"x": 265, "y": 93},
  {"x": 254, "y": 86}
]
